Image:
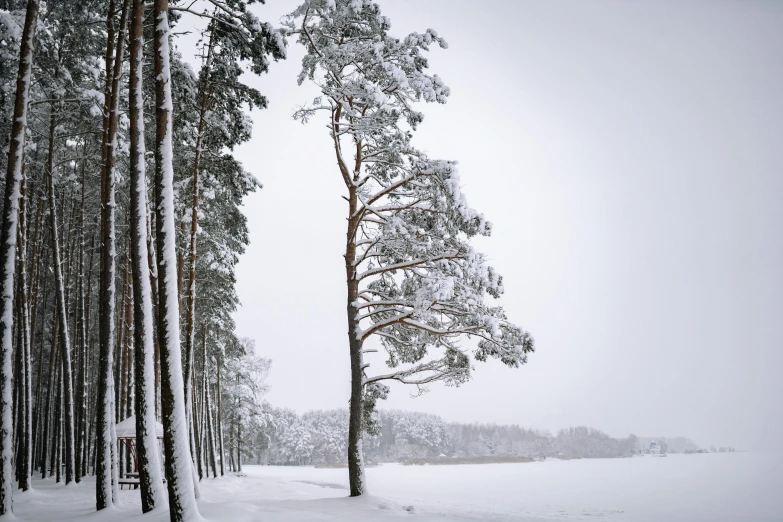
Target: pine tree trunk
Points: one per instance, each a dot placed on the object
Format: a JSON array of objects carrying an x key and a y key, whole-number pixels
[
  {"x": 81, "y": 337},
  {"x": 190, "y": 324},
  {"x": 57, "y": 453},
  {"x": 35, "y": 272},
  {"x": 89, "y": 355},
  {"x": 196, "y": 435},
  {"x": 179, "y": 468},
  {"x": 220, "y": 420},
  {"x": 24, "y": 426},
  {"x": 119, "y": 366},
  {"x": 150, "y": 478},
  {"x": 37, "y": 421},
  {"x": 239, "y": 446},
  {"x": 13, "y": 180},
  {"x": 151, "y": 260},
  {"x": 355, "y": 451},
  {"x": 202, "y": 419},
  {"x": 49, "y": 394},
  {"x": 54, "y": 464},
  {"x": 210, "y": 434},
  {"x": 128, "y": 345},
  {"x": 18, "y": 405},
  {"x": 65, "y": 343},
  {"x": 106, "y": 458},
  {"x": 207, "y": 410},
  {"x": 27, "y": 453}
]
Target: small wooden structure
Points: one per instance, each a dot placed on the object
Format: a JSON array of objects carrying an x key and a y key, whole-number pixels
[{"x": 126, "y": 435}]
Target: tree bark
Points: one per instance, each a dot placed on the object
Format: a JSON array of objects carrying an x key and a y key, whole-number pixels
[
  {"x": 81, "y": 337},
  {"x": 39, "y": 397},
  {"x": 65, "y": 343},
  {"x": 58, "y": 424},
  {"x": 121, "y": 359},
  {"x": 13, "y": 180},
  {"x": 150, "y": 478},
  {"x": 179, "y": 468},
  {"x": 106, "y": 468},
  {"x": 24, "y": 426},
  {"x": 207, "y": 409},
  {"x": 355, "y": 451},
  {"x": 49, "y": 394},
  {"x": 220, "y": 420},
  {"x": 239, "y": 446},
  {"x": 90, "y": 355}
]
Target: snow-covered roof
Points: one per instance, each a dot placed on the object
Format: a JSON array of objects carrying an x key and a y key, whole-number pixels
[{"x": 127, "y": 429}]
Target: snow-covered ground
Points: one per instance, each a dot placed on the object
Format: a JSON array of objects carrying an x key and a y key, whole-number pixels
[{"x": 679, "y": 488}]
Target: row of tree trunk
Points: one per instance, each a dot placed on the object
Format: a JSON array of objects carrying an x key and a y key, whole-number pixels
[{"x": 67, "y": 422}]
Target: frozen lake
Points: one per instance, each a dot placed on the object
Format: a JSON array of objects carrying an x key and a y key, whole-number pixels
[
  {"x": 727, "y": 487},
  {"x": 731, "y": 487}
]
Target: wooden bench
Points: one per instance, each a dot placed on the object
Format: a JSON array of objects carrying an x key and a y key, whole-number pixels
[{"x": 132, "y": 483}]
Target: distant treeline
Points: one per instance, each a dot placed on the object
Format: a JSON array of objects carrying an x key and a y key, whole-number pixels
[{"x": 320, "y": 438}]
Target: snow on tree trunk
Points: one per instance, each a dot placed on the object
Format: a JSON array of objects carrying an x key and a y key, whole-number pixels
[
  {"x": 355, "y": 430},
  {"x": 207, "y": 408},
  {"x": 13, "y": 180},
  {"x": 106, "y": 466},
  {"x": 65, "y": 346},
  {"x": 179, "y": 467},
  {"x": 47, "y": 427},
  {"x": 24, "y": 426},
  {"x": 220, "y": 421},
  {"x": 81, "y": 337},
  {"x": 149, "y": 466}
]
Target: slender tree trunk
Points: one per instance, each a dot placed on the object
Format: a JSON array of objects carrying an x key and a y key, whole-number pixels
[
  {"x": 151, "y": 260},
  {"x": 27, "y": 453},
  {"x": 81, "y": 337},
  {"x": 18, "y": 383},
  {"x": 13, "y": 180},
  {"x": 119, "y": 366},
  {"x": 89, "y": 355},
  {"x": 127, "y": 344},
  {"x": 179, "y": 468},
  {"x": 355, "y": 451},
  {"x": 55, "y": 421},
  {"x": 57, "y": 449},
  {"x": 129, "y": 394},
  {"x": 37, "y": 420},
  {"x": 231, "y": 465},
  {"x": 239, "y": 446},
  {"x": 220, "y": 419},
  {"x": 207, "y": 410},
  {"x": 33, "y": 305},
  {"x": 35, "y": 272},
  {"x": 190, "y": 324},
  {"x": 39, "y": 397},
  {"x": 24, "y": 459},
  {"x": 106, "y": 458},
  {"x": 65, "y": 343},
  {"x": 49, "y": 394},
  {"x": 150, "y": 478},
  {"x": 196, "y": 435},
  {"x": 210, "y": 433}
]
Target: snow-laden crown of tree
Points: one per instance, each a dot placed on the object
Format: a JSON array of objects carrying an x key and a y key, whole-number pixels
[{"x": 421, "y": 283}]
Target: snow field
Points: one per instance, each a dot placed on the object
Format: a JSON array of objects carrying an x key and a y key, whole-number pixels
[{"x": 728, "y": 487}]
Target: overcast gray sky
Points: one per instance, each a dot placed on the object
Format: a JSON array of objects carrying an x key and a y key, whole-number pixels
[{"x": 630, "y": 156}]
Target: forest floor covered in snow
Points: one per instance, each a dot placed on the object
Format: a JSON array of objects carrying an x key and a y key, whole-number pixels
[{"x": 679, "y": 488}]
